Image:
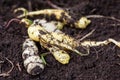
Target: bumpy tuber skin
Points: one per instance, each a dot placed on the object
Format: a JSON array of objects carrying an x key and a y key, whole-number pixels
[
  {"x": 60, "y": 15},
  {"x": 51, "y": 26},
  {"x": 32, "y": 61},
  {"x": 59, "y": 54},
  {"x": 82, "y": 23},
  {"x": 39, "y": 31}
]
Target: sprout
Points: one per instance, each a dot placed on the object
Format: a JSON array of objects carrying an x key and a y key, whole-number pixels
[{"x": 26, "y": 21}]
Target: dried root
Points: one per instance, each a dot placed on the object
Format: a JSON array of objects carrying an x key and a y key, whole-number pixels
[
  {"x": 107, "y": 17},
  {"x": 53, "y": 5},
  {"x": 9, "y": 71},
  {"x": 101, "y": 16},
  {"x": 14, "y": 19},
  {"x": 19, "y": 68},
  {"x": 100, "y": 43}
]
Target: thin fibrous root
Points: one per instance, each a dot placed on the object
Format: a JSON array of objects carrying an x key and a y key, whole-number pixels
[
  {"x": 1, "y": 62},
  {"x": 9, "y": 71},
  {"x": 19, "y": 68},
  {"x": 101, "y": 16},
  {"x": 100, "y": 43},
  {"x": 29, "y": 5},
  {"x": 87, "y": 35},
  {"x": 53, "y": 5},
  {"x": 14, "y": 19}
]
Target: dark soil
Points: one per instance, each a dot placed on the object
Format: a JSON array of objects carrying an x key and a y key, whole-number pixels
[{"x": 103, "y": 63}]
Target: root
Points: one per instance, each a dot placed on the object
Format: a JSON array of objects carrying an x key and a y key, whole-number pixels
[
  {"x": 53, "y": 5},
  {"x": 100, "y": 43},
  {"x": 115, "y": 42},
  {"x": 9, "y": 71},
  {"x": 29, "y": 5},
  {"x": 1, "y": 62},
  {"x": 19, "y": 68},
  {"x": 87, "y": 35},
  {"x": 101, "y": 16},
  {"x": 14, "y": 19},
  {"x": 83, "y": 54}
]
